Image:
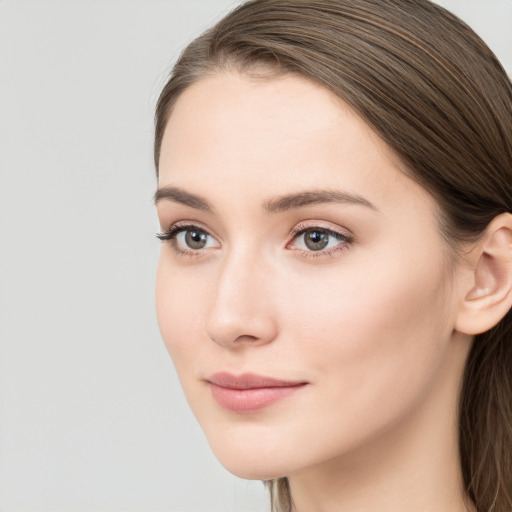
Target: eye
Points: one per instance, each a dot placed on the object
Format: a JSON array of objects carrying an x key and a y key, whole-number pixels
[
  {"x": 314, "y": 239},
  {"x": 194, "y": 239},
  {"x": 186, "y": 239}
]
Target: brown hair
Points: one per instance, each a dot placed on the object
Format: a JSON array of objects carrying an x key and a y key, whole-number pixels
[{"x": 436, "y": 94}]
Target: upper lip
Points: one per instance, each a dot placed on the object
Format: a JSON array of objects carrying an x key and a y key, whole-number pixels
[{"x": 250, "y": 381}]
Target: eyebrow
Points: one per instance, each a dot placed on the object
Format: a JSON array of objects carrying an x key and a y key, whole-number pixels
[
  {"x": 275, "y": 205},
  {"x": 292, "y": 201},
  {"x": 178, "y": 195}
]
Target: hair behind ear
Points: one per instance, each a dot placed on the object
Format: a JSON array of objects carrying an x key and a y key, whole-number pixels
[
  {"x": 280, "y": 496},
  {"x": 485, "y": 428},
  {"x": 485, "y": 424}
]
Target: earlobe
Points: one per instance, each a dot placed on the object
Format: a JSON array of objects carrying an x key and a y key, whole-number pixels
[{"x": 489, "y": 297}]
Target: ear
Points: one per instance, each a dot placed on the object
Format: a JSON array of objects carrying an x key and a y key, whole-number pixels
[{"x": 487, "y": 297}]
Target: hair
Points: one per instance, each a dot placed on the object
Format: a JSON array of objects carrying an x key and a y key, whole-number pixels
[{"x": 438, "y": 96}]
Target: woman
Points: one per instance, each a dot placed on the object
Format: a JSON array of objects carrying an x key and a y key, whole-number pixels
[{"x": 335, "y": 283}]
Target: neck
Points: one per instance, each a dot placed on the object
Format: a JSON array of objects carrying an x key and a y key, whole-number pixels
[{"x": 413, "y": 466}]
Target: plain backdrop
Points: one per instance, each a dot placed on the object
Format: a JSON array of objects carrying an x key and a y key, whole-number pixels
[{"x": 91, "y": 414}]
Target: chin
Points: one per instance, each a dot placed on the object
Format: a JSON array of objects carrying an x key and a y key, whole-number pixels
[
  {"x": 251, "y": 459},
  {"x": 250, "y": 469}
]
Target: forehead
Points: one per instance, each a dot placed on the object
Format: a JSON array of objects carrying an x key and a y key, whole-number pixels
[
  {"x": 249, "y": 107},
  {"x": 271, "y": 135},
  {"x": 234, "y": 91}
]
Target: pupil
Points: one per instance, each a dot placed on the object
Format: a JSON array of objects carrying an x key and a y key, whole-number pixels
[
  {"x": 316, "y": 240},
  {"x": 195, "y": 239}
]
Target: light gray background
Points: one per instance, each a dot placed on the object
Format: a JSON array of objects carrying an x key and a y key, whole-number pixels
[{"x": 91, "y": 413}]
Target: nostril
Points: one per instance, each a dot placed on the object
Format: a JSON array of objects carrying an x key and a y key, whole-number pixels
[
  {"x": 246, "y": 338},
  {"x": 235, "y": 340}
]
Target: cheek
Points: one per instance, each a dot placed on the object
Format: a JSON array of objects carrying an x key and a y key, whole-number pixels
[
  {"x": 348, "y": 300},
  {"x": 372, "y": 334},
  {"x": 178, "y": 306}
]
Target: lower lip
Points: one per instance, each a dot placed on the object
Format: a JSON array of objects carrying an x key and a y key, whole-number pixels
[{"x": 250, "y": 400}]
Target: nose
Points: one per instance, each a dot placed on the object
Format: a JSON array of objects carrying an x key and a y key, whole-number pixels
[{"x": 242, "y": 310}]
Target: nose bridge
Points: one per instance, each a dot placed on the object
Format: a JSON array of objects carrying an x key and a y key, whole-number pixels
[{"x": 241, "y": 309}]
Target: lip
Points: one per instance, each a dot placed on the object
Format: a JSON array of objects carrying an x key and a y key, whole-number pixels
[{"x": 249, "y": 392}]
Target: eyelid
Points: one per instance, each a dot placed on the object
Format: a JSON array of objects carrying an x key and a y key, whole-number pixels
[
  {"x": 183, "y": 225},
  {"x": 300, "y": 228}
]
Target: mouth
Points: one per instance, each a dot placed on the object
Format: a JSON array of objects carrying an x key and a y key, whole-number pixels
[{"x": 250, "y": 392}]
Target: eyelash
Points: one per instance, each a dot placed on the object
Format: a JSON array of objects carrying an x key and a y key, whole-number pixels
[{"x": 344, "y": 239}]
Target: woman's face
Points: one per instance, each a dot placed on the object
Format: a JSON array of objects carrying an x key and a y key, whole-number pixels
[{"x": 304, "y": 292}]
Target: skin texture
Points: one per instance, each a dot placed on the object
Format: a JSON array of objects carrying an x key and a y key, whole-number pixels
[{"x": 367, "y": 323}]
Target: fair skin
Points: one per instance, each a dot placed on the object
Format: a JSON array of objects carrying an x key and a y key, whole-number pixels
[{"x": 354, "y": 296}]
